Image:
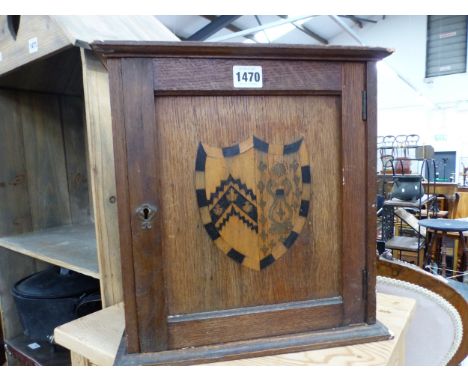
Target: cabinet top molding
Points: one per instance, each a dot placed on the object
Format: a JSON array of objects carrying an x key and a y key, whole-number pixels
[{"x": 121, "y": 49}]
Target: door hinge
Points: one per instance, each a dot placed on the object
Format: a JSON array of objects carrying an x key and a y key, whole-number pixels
[
  {"x": 365, "y": 279},
  {"x": 364, "y": 105}
]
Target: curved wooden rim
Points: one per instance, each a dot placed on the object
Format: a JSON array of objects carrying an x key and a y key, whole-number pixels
[{"x": 401, "y": 271}]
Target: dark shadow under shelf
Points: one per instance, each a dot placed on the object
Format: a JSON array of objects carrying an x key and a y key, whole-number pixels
[{"x": 30, "y": 352}]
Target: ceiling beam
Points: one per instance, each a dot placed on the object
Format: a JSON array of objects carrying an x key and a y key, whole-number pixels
[
  {"x": 354, "y": 19},
  {"x": 308, "y": 32},
  {"x": 218, "y": 23},
  {"x": 260, "y": 23},
  {"x": 249, "y": 31},
  {"x": 231, "y": 28},
  {"x": 356, "y": 38},
  {"x": 346, "y": 28},
  {"x": 359, "y": 20}
]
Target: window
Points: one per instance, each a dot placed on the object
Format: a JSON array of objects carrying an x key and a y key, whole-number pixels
[{"x": 446, "y": 45}]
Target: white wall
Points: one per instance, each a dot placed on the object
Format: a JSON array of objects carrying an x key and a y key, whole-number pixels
[{"x": 438, "y": 109}]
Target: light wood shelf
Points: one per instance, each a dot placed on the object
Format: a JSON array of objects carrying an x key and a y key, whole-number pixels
[
  {"x": 71, "y": 246},
  {"x": 416, "y": 204},
  {"x": 404, "y": 243},
  {"x": 94, "y": 340}
]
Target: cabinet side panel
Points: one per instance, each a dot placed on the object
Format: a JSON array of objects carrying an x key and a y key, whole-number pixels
[
  {"x": 371, "y": 231},
  {"x": 102, "y": 176},
  {"x": 354, "y": 193},
  {"x": 141, "y": 151},
  {"x": 122, "y": 190}
]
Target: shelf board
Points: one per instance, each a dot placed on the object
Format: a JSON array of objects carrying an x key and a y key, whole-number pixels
[
  {"x": 404, "y": 243},
  {"x": 402, "y": 203},
  {"x": 71, "y": 246}
]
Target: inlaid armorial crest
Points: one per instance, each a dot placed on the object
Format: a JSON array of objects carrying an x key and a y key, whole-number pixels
[{"x": 253, "y": 198}]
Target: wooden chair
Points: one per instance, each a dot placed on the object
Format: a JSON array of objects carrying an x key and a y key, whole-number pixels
[
  {"x": 410, "y": 249},
  {"x": 438, "y": 333},
  {"x": 451, "y": 203}
]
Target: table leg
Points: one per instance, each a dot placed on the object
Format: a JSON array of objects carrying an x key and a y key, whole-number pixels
[
  {"x": 443, "y": 254},
  {"x": 428, "y": 249},
  {"x": 460, "y": 262}
]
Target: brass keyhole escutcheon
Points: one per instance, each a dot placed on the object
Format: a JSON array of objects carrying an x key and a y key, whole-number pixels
[{"x": 146, "y": 213}]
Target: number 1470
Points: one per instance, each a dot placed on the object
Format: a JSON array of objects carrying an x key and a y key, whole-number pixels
[{"x": 248, "y": 76}]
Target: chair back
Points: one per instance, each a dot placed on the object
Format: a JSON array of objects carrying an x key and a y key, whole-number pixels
[
  {"x": 453, "y": 205},
  {"x": 438, "y": 333}
]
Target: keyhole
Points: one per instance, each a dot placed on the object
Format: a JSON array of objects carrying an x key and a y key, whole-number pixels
[{"x": 146, "y": 214}]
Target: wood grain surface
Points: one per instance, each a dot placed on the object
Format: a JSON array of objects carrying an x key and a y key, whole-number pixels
[
  {"x": 137, "y": 160},
  {"x": 354, "y": 210},
  {"x": 462, "y": 210},
  {"x": 102, "y": 176},
  {"x": 15, "y": 213},
  {"x": 177, "y": 75},
  {"x": 294, "y": 318},
  {"x": 15, "y": 50},
  {"x": 164, "y": 106},
  {"x": 43, "y": 76},
  {"x": 96, "y": 343},
  {"x": 114, "y": 68},
  {"x": 199, "y": 276},
  {"x": 35, "y": 189},
  {"x": 70, "y": 246},
  {"x": 395, "y": 312},
  {"x": 45, "y": 160},
  {"x": 93, "y": 338},
  {"x": 113, "y": 49},
  {"x": 74, "y": 138}
]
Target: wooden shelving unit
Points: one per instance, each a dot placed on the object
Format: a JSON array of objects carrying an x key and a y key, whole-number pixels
[
  {"x": 71, "y": 246},
  {"x": 58, "y": 200},
  {"x": 410, "y": 204}
]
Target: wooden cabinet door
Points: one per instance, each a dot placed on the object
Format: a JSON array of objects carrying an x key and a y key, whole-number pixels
[{"x": 244, "y": 213}]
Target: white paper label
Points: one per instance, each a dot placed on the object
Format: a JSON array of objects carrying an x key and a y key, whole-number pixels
[
  {"x": 34, "y": 346},
  {"x": 247, "y": 76},
  {"x": 33, "y": 45},
  {"x": 1, "y": 56}
]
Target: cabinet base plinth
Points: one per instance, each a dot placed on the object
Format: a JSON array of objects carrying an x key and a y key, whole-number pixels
[{"x": 343, "y": 336}]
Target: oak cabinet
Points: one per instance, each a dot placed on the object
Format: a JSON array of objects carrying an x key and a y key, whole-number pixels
[{"x": 246, "y": 220}]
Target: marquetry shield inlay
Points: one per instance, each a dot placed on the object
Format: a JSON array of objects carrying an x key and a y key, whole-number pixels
[{"x": 254, "y": 198}]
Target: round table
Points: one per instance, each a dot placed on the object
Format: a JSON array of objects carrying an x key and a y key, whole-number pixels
[{"x": 443, "y": 226}]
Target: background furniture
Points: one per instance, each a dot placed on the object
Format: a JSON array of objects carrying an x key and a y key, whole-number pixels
[
  {"x": 94, "y": 340},
  {"x": 437, "y": 229},
  {"x": 462, "y": 210},
  {"x": 445, "y": 289},
  {"x": 445, "y": 167},
  {"x": 435, "y": 332},
  {"x": 57, "y": 182},
  {"x": 406, "y": 237}
]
